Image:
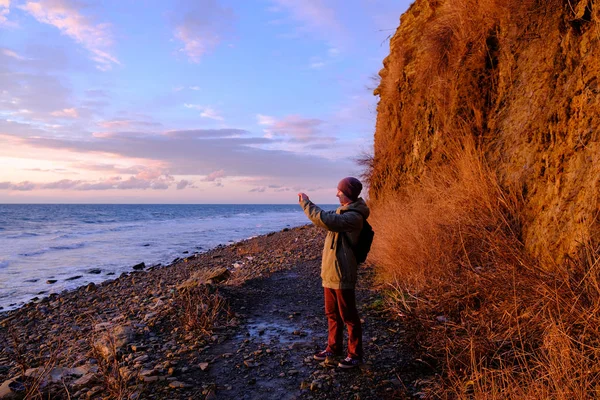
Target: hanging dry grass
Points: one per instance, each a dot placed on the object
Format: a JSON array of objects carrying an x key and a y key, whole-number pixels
[{"x": 448, "y": 249}]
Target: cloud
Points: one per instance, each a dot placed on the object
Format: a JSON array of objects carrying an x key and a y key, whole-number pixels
[
  {"x": 260, "y": 189},
  {"x": 21, "y": 186},
  {"x": 127, "y": 124},
  {"x": 265, "y": 119},
  {"x": 182, "y": 184},
  {"x": 213, "y": 176},
  {"x": 161, "y": 182},
  {"x": 315, "y": 17},
  {"x": 317, "y": 64},
  {"x": 65, "y": 15},
  {"x": 66, "y": 113},
  {"x": 205, "y": 112},
  {"x": 195, "y": 152},
  {"x": 11, "y": 53},
  {"x": 201, "y": 26},
  {"x": 293, "y": 126},
  {"x": 63, "y": 184},
  {"x": 4, "y": 11}
]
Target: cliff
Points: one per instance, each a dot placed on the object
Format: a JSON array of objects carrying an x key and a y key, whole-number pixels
[{"x": 519, "y": 79}]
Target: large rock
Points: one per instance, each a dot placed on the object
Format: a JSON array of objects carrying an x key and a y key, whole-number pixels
[
  {"x": 206, "y": 277},
  {"x": 112, "y": 339}
]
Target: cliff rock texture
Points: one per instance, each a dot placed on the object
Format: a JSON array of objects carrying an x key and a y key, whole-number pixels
[{"x": 520, "y": 79}]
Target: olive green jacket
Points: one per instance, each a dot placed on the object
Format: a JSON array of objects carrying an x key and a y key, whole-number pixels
[{"x": 338, "y": 267}]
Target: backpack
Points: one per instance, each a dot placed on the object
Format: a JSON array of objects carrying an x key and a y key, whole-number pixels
[{"x": 365, "y": 239}]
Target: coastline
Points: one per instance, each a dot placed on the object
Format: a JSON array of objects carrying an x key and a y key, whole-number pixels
[
  {"x": 128, "y": 338},
  {"x": 59, "y": 326}
]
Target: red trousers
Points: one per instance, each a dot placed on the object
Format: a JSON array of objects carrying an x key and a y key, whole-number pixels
[{"x": 340, "y": 309}]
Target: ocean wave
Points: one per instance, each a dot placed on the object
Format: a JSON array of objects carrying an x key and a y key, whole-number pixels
[
  {"x": 3, "y": 263},
  {"x": 52, "y": 248},
  {"x": 68, "y": 247},
  {"x": 23, "y": 235}
]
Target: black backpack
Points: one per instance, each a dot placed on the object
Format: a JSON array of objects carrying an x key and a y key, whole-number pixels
[{"x": 365, "y": 239}]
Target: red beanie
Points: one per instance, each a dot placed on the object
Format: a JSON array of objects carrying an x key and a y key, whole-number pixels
[{"x": 351, "y": 187}]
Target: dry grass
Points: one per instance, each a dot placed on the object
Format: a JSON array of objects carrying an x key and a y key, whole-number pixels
[
  {"x": 201, "y": 308},
  {"x": 34, "y": 383},
  {"x": 450, "y": 246},
  {"x": 110, "y": 367}
]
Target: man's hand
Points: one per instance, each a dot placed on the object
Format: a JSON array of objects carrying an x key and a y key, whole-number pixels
[{"x": 302, "y": 197}]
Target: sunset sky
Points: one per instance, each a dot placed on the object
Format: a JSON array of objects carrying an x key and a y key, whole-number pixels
[{"x": 191, "y": 101}]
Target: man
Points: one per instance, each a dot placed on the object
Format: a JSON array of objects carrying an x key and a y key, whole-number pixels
[{"x": 339, "y": 269}]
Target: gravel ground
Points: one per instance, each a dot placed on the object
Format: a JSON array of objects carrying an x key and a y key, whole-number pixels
[{"x": 127, "y": 338}]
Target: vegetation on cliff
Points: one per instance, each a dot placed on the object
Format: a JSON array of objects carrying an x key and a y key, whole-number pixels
[{"x": 484, "y": 186}]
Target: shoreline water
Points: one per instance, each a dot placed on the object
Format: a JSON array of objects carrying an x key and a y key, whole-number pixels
[
  {"x": 50, "y": 248},
  {"x": 186, "y": 256}
]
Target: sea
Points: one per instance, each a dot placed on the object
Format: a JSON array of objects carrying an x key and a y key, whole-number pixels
[{"x": 44, "y": 246}]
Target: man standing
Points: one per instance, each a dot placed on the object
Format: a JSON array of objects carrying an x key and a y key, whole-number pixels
[{"x": 339, "y": 269}]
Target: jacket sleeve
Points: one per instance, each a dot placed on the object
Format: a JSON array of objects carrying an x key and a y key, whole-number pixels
[{"x": 346, "y": 222}]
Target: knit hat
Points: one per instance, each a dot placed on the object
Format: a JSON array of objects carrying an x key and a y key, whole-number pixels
[{"x": 351, "y": 187}]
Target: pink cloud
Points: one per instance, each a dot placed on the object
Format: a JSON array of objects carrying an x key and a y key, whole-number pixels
[
  {"x": 65, "y": 15},
  {"x": 66, "y": 113},
  {"x": 214, "y": 176},
  {"x": 11, "y": 53},
  {"x": 206, "y": 112},
  {"x": 294, "y": 126},
  {"x": 4, "y": 11},
  {"x": 201, "y": 27}
]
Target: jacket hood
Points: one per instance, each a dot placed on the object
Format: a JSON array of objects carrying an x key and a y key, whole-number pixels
[{"x": 358, "y": 205}]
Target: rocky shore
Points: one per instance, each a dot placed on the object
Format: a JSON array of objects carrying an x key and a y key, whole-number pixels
[{"x": 261, "y": 319}]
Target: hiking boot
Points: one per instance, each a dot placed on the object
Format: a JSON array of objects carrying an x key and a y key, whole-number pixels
[
  {"x": 323, "y": 355},
  {"x": 349, "y": 362}
]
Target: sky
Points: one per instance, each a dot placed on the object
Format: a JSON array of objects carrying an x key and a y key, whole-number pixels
[{"x": 188, "y": 101}]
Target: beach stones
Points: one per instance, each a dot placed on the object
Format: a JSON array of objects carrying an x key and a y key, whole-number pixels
[
  {"x": 113, "y": 339},
  {"x": 139, "y": 267},
  {"x": 51, "y": 281}
]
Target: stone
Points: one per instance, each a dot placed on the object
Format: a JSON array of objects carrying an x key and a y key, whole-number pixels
[
  {"x": 139, "y": 266},
  {"x": 203, "y": 366},
  {"x": 84, "y": 381},
  {"x": 6, "y": 391},
  {"x": 141, "y": 359},
  {"x": 219, "y": 275},
  {"x": 178, "y": 385},
  {"x": 51, "y": 281},
  {"x": 113, "y": 339},
  {"x": 74, "y": 278},
  {"x": 95, "y": 271},
  {"x": 94, "y": 391}
]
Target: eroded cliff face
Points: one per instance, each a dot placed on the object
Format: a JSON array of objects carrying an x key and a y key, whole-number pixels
[{"x": 519, "y": 77}]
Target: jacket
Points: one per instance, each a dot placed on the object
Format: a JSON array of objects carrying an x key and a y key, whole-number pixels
[{"x": 338, "y": 266}]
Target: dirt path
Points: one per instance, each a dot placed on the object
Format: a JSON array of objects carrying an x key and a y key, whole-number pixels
[{"x": 269, "y": 356}]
